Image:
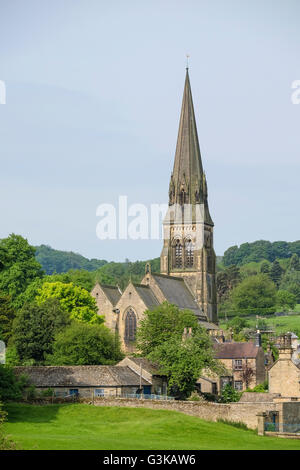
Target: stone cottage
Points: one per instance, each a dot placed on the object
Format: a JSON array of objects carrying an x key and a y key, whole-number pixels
[
  {"x": 88, "y": 381},
  {"x": 245, "y": 365},
  {"x": 284, "y": 374}
]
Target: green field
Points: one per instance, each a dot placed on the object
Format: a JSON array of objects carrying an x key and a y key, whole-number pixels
[
  {"x": 280, "y": 324},
  {"x": 86, "y": 427}
]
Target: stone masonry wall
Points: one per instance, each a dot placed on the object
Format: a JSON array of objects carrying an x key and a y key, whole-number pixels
[{"x": 237, "y": 412}]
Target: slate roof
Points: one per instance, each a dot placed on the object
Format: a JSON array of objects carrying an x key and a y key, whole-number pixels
[
  {"x": 112, "y": 293},
  {"x": 235, "y": 350},
  {"x": 80, "y": 376},
  {"x": 145, "y": 363},
  {"x": 176, "y": 292},
  {"x": 146, "y": 295}
]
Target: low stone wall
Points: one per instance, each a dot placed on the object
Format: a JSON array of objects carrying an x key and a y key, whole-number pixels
[
  {"x": 256, "y": 397},
  {"x": 237, "y": 412}
]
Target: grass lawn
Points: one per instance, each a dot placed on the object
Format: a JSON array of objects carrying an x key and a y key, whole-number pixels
[{"x": 78, "y": 426}]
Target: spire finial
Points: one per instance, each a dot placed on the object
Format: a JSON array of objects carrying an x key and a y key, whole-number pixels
[{"x": 187, "y": 61}]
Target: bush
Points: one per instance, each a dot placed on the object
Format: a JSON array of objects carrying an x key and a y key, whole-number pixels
[
  {"x": 229, "y": 394},
  {"x": 260, "y": 388},
  {"x": 11, "y": 388},
  {"x": 5, "y": 442},
  {"x": 196, "y": 397}
]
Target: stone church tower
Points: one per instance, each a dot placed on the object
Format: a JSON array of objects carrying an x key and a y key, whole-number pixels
[{"x": 188, "y": 227}]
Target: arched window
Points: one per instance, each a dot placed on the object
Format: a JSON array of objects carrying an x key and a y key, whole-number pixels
[
  {"x": 177, "y": 258},
  {"x": 130, "y": 326},
  {"x": 189, "y": 253}
]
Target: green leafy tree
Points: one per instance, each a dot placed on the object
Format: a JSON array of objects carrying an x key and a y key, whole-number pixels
[
  {"x": 163, "y": 323},
  {"x": 237, "y": 324},
  {"x": 7, "y": 315},
  {"x": 276, "y": 272},
  {"x": 294, "y": 263},
  {"x": 34, "y": 329},
  {"x": 226, "y": 281},
  {"x": 182, "y": 361},
  {"x": 286, "y": 300},
  {"x": 11, "y": 387},
  {"x": 291, "y": 283},
  {"x": 265, "y": 267},
  {"x": 254, "y": 294},
  {"x": 85, "y": 344},
  {"x": 18, "y": 266},
  {"x": 181, "y": 358},
  {"x": 73, "y": 299}
]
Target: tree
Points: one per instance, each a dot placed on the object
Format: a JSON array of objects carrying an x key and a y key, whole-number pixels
[
  {"x": 7, "y": 315},
  {"x": 34, "y": 329},
  {"x": 18, "y": 266},
  {"x": 11, "y": 387},
  {"x": 276, "y": 272},
  {"x": 237, "y": 324},
  {"x": 291, "y": 283},
  {"x": 85, "y": 344},
  {"x": 254, "y": 294},
  {"x": 247, "y": 374},
  {"x": 294, "y": 263},
  {"x": 182, "y": 361},
  {"x": 73, "y": 299},
  {"x": 181, "y": 358},
  {"x": 286, "y": 300},
  {"x": 265, "y": 267},
  {"x": 227, "y": 280},
  {"x": 161, "y": 324}
]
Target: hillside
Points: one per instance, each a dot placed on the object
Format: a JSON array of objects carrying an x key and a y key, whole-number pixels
[
  {"x": 62, "y": 261},
  {"x": 260, "y": 250}
]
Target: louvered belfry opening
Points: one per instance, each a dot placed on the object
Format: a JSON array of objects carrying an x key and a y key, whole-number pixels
[
  {"x": 177, "y": 260},
  {"x": 189, "y": 254}
]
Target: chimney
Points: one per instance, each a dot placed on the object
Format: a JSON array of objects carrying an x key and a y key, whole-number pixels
[
  {"x": 258, "y": 339},
  {"x": 285, "y": 346}
]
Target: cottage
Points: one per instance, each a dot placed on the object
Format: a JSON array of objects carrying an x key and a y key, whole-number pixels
[
  {"x": 284, "y": 374},
  {"x": 144, "y": 368},
  {"x": 245, "y": 365},
  {"x": 87, "y": 381}
]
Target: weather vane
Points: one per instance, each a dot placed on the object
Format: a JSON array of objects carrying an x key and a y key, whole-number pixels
[{"x": 187, "y": 61}]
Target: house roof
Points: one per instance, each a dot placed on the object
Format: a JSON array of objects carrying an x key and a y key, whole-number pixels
[
  {"x": 235, "y": 350},
  {"x": 145, "y": 363},
  {"x": 176, "y": 292},
  {"x": 146, "y": 295},
  {"x": 112, "y": 293},
  {"x": 80, "y": 376}
]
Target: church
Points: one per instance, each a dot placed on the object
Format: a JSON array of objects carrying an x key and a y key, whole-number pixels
[{"x": 187, "y": 275}]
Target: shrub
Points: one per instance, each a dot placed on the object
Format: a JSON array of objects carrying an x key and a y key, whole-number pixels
[
  {"x": 229, "y": 394},
  {"x": 11, "y": 388},
  {"x": 5, "y": 442}
]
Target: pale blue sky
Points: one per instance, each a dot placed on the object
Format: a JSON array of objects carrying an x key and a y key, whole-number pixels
[{"x": 94, "y": 91}]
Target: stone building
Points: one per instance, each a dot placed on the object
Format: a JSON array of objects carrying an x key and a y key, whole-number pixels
[
  {"x": 245, "y": 366},
  {"x": 98, "y": 381},
  {"x": 188, "y": 261},
  {"x": 284, "y": 374}
]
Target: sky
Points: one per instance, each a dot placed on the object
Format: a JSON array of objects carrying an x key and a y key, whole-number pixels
[{"x": 93, "y": 98}]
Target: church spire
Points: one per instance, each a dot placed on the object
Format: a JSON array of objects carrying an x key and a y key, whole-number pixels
[{"x": 188, "y": 183}]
